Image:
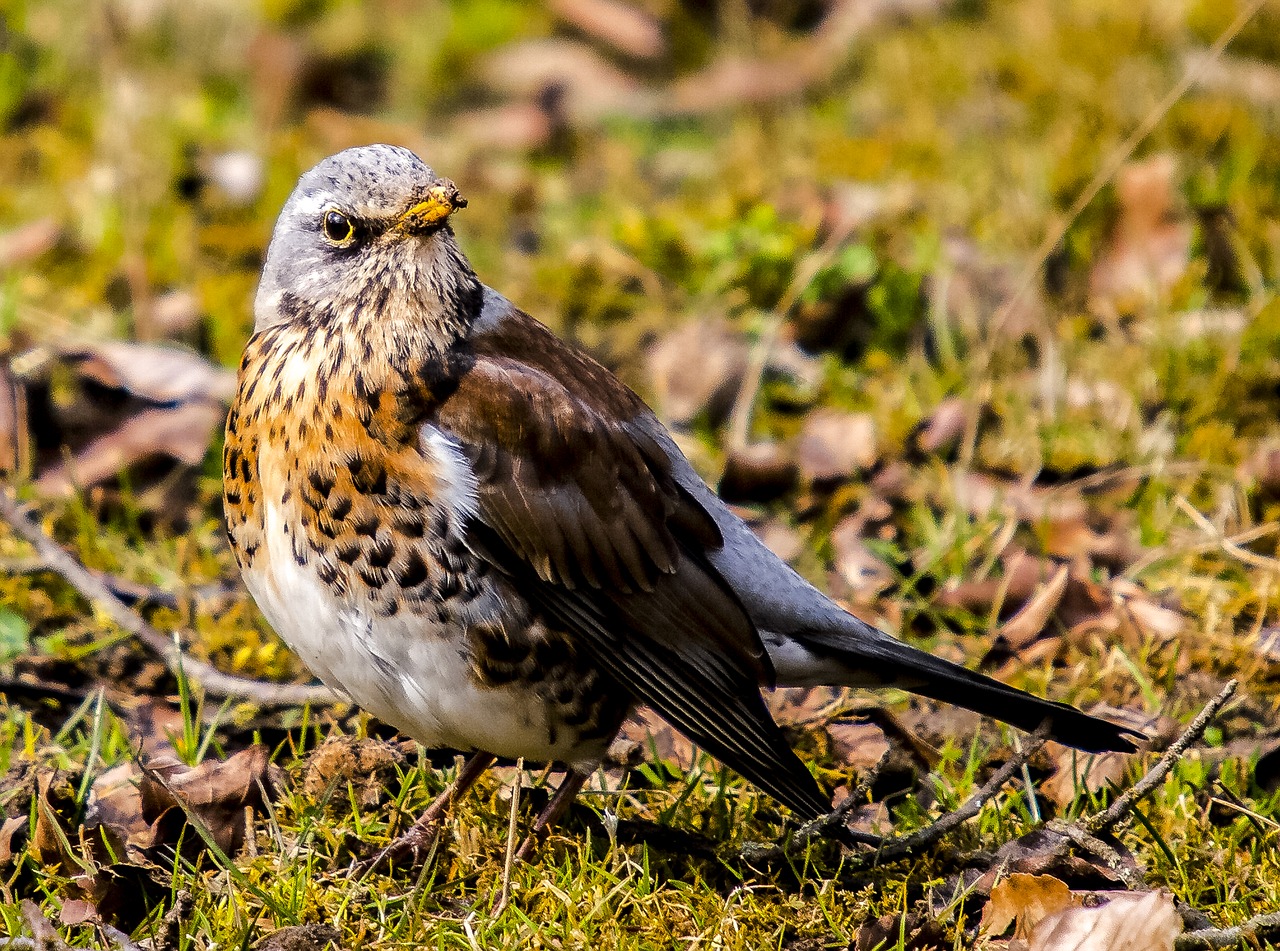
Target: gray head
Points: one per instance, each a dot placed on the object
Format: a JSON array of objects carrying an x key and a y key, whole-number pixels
[{"x": 367, "y": 232}]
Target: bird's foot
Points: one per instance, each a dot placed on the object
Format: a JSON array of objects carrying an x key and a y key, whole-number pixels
[{"x": 407, "y": 851}]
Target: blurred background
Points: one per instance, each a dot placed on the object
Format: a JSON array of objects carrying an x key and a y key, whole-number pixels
[
  {"x": 952, "y": 295},
  {"x": 902, "y": 273},
  {"x": 967, "y": 304}
]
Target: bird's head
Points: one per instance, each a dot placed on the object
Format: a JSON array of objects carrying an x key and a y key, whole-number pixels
[{"x": 366, "y": 232}]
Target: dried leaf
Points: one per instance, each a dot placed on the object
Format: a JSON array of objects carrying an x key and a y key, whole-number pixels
[
  {"x": 646, "y": 737},
  {"x": 623, "y": 26},
  {"x": 1024, "y": 900},
  {"x": 312, "y": 937},
  {"x": 28, "y": 242},
  {"x": 369, "y": 767},
  {"x": 865, "y": 573},
  {"x": 513, "y": 126},
  {"x": 915, "y": 934},
  {"x": 1078, "y": 772},
  {"x": 183, "y": 432},
  {"x": 859, "y": 745},
  {"x": 592, "y": 87},
  {"x": 758, "y": 472},
  {"x": 215, "y": 792},
  {"x": 1128, "y": 922},
  {"x": 1025, "y": 626},
  {"x": 835, "y": 445},
  {"x": 15, "y": 439},
  {"x": 945, "y": 427},
  {"x": 76, "y": 911},
  {"x": 1150, "y": 245},
  {"x": 55, "y": 802},
  {"x": 9, "y": 836},
  {"x": 696, "y": 368},
  {"x": 153, "y": 372}
]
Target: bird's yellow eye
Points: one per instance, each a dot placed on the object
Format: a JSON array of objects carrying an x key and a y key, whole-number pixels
[{"x": 337, "y": 227}]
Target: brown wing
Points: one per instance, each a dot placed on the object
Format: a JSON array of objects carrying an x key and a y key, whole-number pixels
[{"x": 577, "y": 502}]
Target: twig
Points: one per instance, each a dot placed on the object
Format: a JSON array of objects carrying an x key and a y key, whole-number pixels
[
  {"x": 1254, "y": 931},
  {"x": 118, "y": 937},
  {"x": 507, "y": 864},
  {"x": 1115, "y": 863},
  {"x": 130, "y": 592},
  {"x": 1103, "y": 821},
  {"x": 895, "y": 849},
  {"x": 44, "y": 936},
  {"x": 96, "y": 591},
  {"x": 830, "y": 826}
]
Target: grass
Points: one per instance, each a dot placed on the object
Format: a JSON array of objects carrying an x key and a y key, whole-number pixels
[{"x": 972, "y": 129}]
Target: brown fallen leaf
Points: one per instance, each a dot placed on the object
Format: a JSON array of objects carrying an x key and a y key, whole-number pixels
[
  {"x": 758, "y": 472},
  {"x": 859, "y": 745},
  {"x": 12, "y": 834},
  {"x": 1023, "y": 901},
  {"x": 913, "y": 931},
  {"x": 1128, "y": 922},
  {"x": 865, "y": 573},
  {"x": 945, "y": 426},
  {"x": 1150, "y": 245},
  {"x": 51, "y": 844},
  {"x": 215, "y": 793},
  {"x": 183, "y": 433},
  {"x": 623, "y": 26},
  {"x": 15, "y": 440},
  {"x": 696, "y": 368},
  {"x": 646, "y": 737},
  {"x": 312, "y": 937},
  {"x": 1077, "y": 773},
  {"x": 513, "y": 126},
  {"x": 1156, "y": 622},
  {"x": 591, "y": 86},
  {"x": 27, "y": 242},
  {"x": 154, "y": 372},
  {"x": 834, "y": 445},
  {"x": 1025, "y": 626}
]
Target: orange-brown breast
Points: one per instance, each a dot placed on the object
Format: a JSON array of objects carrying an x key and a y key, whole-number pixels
[{"x": 335, "y": 450}]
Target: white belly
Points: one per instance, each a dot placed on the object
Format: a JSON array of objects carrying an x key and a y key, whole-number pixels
[{"x": 407, "y": 670}]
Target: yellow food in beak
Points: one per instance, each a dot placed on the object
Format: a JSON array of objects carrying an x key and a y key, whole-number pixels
[{"x": 443, "y": 199}]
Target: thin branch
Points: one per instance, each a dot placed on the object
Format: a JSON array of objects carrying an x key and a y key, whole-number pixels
[
  {"x": 98, "y": 593},
  {"x": 132, "y": 592},
  {"x": 830, "y": 826},
  {"x": 1103, "y": 821},
  {"x": 1254, "y": 931},
  {"x": 505, "y": 894},
  {"x": 895, "y": 849},
  {"x": 1114, "y": 861}
]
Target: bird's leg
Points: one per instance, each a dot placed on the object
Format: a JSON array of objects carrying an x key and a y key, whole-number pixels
[
  {"x": 417, "y": 840},
  {"x": 550, "y": 815}
]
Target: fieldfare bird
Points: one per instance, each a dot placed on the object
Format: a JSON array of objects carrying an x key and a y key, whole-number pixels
[{"x": 485, "y": 539}]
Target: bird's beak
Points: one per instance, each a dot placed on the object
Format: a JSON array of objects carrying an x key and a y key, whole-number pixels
[{"x": 443, "y": 199}]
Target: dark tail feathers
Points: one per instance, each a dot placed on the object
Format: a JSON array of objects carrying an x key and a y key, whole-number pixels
[{"x": 873, "y": 657}]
